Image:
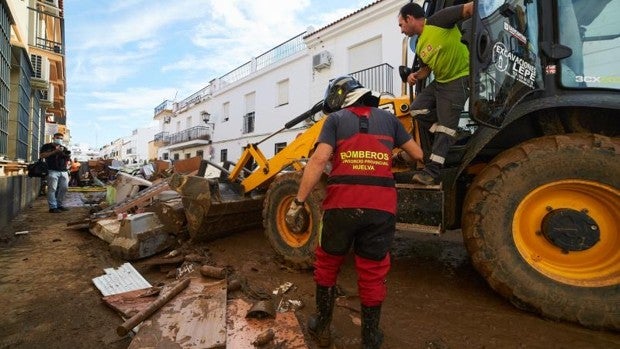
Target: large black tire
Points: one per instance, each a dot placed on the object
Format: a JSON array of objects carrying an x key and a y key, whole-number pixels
[
  {"x": 295, "y": 248},
  {"x": 514, "y": 228}
]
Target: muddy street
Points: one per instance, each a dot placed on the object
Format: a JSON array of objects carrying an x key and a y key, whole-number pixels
[{"x": 435, "y": 300}]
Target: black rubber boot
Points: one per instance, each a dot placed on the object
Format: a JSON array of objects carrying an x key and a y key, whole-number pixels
[
  {"x": 372, "y": 337},
  {"x": 318, "y": 325}
]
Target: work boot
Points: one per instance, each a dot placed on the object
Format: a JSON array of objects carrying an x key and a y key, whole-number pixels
[
  {"x": 318, "y": 324},
  {"x": 421, "y": 177},
  {"x": 372, "y": 337},
  {"x": 429, "y": 175}
]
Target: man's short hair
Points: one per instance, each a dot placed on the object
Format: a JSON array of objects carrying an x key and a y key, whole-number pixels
[
  {"x": 59, "y": 134},
  {"x": 412, "y": 9}
]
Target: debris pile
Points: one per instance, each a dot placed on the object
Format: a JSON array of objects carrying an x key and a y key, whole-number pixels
[{"x": 202, "y": 305}]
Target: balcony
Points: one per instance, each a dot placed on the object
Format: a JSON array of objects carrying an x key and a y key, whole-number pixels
[
  {"x": 379, "y": 78},
  {"x": 191, "y": 137},
  {"x": 165, "y": 106},
  {"x": 266, "y": 59},
  {"x": 161, "y": 138},
  {"x": 49, "y": 31},
  {"x": 192, "y": 100}
]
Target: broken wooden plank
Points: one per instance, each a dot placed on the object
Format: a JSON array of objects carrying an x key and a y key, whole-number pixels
[
  {"x": 243, "y": 331},
  {"x": 129, "y": 303},
  {"x": 155, "y": 261},
  {"x": 195, "y": 318},
  {"x": 79, "y": 222},
  {"x": 145, "y": 313},
  {"x": 140, "y": 199}
]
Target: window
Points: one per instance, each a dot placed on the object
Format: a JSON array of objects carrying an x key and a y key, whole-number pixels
[
  {"x": 176, "y": 156},
  {"x": 248, "y": 118},
  {"x": 365, "y": 55},
  {"x": 164, "y": 156},
  {"x": 512, "y": 69},
  {"x": 200, "y": 153},
  {"x": 250, "y": 102},
  {"x": 188, "y": 122},
  {"x": 225, "y": 111},
  {"x": 590, "y": 31},
  {"x": 282, "y": 93},
  {"x": 179, "y": 126},
  {"x": 224, "y": 155},
  {"x": 248, "y": 123},
  {"x": 188, "y": 155},
  {"x": 278, "y": 147}
]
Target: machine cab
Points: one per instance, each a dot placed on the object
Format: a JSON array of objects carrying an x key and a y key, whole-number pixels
[{"x": 524, "y": 49}]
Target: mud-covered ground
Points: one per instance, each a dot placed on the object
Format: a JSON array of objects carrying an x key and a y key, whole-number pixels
[{"x": 436, "y": 300}]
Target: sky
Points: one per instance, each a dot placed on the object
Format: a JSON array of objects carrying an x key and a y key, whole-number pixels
[{"x": 125, "y": 57}]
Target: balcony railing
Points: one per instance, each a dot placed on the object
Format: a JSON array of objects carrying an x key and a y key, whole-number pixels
[
  {"x": 379, "y": 78},
  {"x": 280, "y": 52},
  {"x": 49, "y": 29},
  {"x": 165, "y": 105},
  {"x": 162, "y": 138},
  {"x": 196, "y": 97},
  {"x": 266, "y": 59},
  {"x": 192, "y": 133}
]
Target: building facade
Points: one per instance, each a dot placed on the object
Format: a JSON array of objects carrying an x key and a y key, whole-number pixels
[
  {"x": 32, "y": 92},
  {"x": 132, "y": 149},
  {"x": 254, "y": 101}
]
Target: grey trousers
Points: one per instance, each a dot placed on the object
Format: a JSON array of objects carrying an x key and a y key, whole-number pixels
[{"x": 438, "y": 109}]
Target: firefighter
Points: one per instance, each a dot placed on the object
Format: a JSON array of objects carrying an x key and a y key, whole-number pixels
[
  {"x": 360, "y": 204},
  {"x": 438, "y": 107}
]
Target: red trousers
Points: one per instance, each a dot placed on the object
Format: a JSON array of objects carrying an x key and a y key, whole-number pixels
[{"x": 371, "y": 275}]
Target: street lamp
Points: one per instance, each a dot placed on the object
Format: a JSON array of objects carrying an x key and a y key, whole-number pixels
[{"x": 206, "y": 117}]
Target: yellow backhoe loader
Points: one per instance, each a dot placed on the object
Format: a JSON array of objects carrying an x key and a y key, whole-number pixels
[{"x": 534, "y": 187}]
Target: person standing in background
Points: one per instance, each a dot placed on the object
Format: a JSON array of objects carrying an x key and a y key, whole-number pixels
[
  {"x": 74, "y": 172},
  {"x": 56, "y": 156}
]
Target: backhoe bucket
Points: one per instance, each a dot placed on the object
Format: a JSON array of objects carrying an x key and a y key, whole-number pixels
[{"x": 214, "y": 209}]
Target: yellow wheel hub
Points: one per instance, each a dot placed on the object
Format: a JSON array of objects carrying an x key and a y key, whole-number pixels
[{"x": 569, "y": 230}]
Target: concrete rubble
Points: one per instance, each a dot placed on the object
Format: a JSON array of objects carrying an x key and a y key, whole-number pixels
[
  {"x": 139, "y": 217},
  {"x": 139, "y": 236},
  {"x": 184, "y": 200}
]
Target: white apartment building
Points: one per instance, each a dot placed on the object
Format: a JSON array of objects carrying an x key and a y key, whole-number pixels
[
  {"x": 255, "y": 100},
  {"x": 133, "y": 149}
]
